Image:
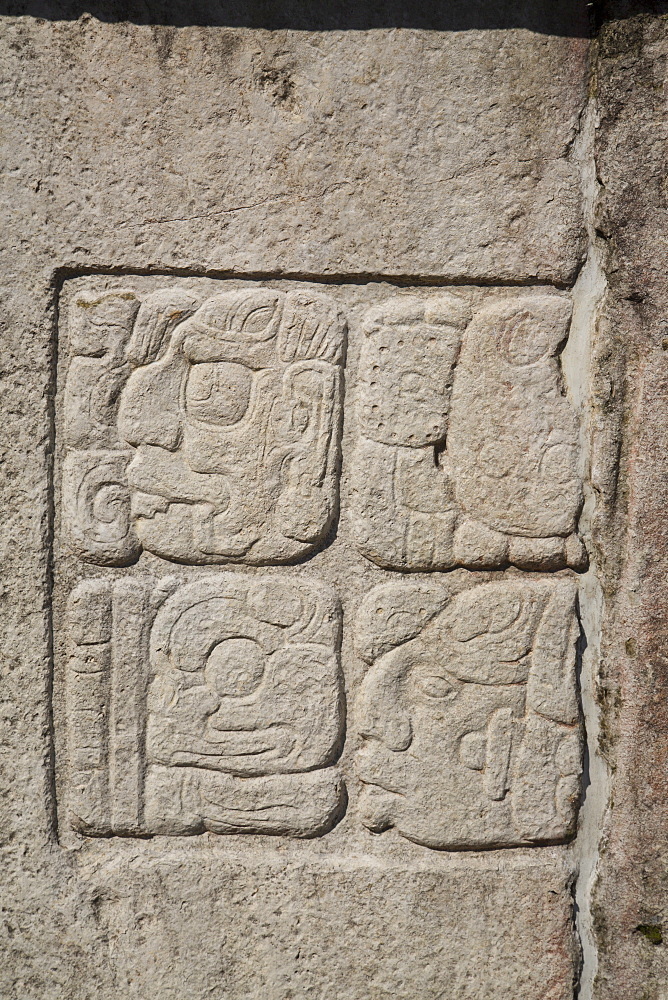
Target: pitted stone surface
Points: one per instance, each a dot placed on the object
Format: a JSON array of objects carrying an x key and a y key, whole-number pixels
[
  {"x": 326, "y": 700},
  {"x": 233, "y": 409},
  {"x": 201, "y": 418},
  {"x": 391, "y": 151},
  {"x": 630, "y": 903},
  {"x": 211, "y": 433},
  {"x": 213, "y": 705},
  {"x": 467, "y": 451},
  {"x": 203, "y": 223},
  {"x": 469, "y": 713}
]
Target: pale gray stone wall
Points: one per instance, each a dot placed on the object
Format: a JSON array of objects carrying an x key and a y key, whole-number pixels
[{"x": 332, "y": 502}]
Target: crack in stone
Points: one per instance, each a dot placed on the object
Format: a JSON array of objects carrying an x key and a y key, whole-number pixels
[{"x": 205, "y": 215}]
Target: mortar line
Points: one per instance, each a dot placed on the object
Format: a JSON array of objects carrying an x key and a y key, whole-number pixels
[
  {"x": 49, "y": 569},
  {"x": 577, "y": 368}
]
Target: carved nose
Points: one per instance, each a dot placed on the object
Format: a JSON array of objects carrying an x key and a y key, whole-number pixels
[{"x": 382, "y": 716}]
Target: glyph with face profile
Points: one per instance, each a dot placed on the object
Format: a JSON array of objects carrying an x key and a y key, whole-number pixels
[
  {"x": 202, "y": 425},
  {"x": 218, "y": 440},
  {"x": 467, "y": 444},
  {"x": 334, "y": 594},
  {"x": 469, "y": 713},
  {"x": 210, "y": 705}
]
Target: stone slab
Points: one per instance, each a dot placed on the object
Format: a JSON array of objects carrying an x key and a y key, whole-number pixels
[
  {"x": 393, "y": 151},
  {"x": 120, "y": 734},
  {"x": 352, "y": 165},
  {"x": 154, "y": 921},
  {"x": 459, "y": 447},
  {"x": 630, "y": 900}
]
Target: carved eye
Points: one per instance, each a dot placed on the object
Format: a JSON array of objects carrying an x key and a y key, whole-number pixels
[
  {"x": 235, "y": 667},
  {"x": 256, "y": 321},
  {"x": 218, "y": 392},
  {"x": 436, "y": 685}
]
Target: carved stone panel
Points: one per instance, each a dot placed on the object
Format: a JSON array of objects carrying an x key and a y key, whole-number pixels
[
  {"x": 467, "y": 444},
  {"x": 469, "y": 712},
  {"x": 285, "y": 289},
  {"x": 202, "y": 431},
  {"x": 200, "y": 423},
  {"x": 210, "y": 705}
]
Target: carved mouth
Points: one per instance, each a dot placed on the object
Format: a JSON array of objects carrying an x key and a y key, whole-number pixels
[
  {"x": 383, "y": 786},
  {"x": 380, "y": 770}
]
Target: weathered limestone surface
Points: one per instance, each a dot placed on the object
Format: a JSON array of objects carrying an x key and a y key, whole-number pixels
[
  {"x": 467, "y": 451},
  {"x": 631, "y": 900},
  {"x": 210, "y": 681},
  {"x": 384, "y": 152},
  {"x": 297, "y": 541}
]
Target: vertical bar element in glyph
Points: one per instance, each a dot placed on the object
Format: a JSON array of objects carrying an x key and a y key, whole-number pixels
[
  {"x": 499, "y": 747},
  {"x": 87, "y": 697},
  {"x": 131, "y": 624}
]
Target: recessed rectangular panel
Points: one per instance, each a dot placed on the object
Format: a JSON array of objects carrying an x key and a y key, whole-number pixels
[{"x": 258, "y": 636}]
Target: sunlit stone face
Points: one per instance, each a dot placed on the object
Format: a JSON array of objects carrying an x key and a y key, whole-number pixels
[
  {"x": 448, "y": 717},
  {"x": 235, "y": 429}
]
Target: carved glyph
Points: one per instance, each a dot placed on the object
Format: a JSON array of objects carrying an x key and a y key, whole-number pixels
[
  {"x": 469, "y": 712},
  {"x": 211, "y": 705},
  {"x": 467, "y": 445},
  {"x": 95, "y": 496},
  {"x": 208, "y": 430},
  {"x": 205, "y": 433}
]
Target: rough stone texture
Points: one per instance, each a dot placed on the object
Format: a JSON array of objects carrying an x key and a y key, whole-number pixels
[
  {"x": 631, "y": 899},
  {"x": 216, "y": 702},
  {"x": 467, "y": 448},
  {"x": 469, "y": 713},
  {"x": 242, "y": 681},
  {"x": 315, "y": 171},
  {"x": 157, "y": 923},
  {"x": 207, "y": 430},
  {"x": 387, "y": 152},
  {"x": 233, "y": 407}
]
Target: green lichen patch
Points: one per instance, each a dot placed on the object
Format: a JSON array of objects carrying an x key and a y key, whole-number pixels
[{"x": 653, "y": 933}]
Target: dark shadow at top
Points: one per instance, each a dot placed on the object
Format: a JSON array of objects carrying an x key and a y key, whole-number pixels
[
  {"x": 550, "y": 17},
  {"x": 612, "y": 10}
]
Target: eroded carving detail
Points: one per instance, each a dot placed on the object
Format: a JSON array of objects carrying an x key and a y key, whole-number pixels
[
  {"x": 214, "y": 428},
  {"x": 214, "y": 705},
  {"x": 96, "y": 498},
  {"x": 469, "y": 713},
  {"x": 467, "y": 445}
]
